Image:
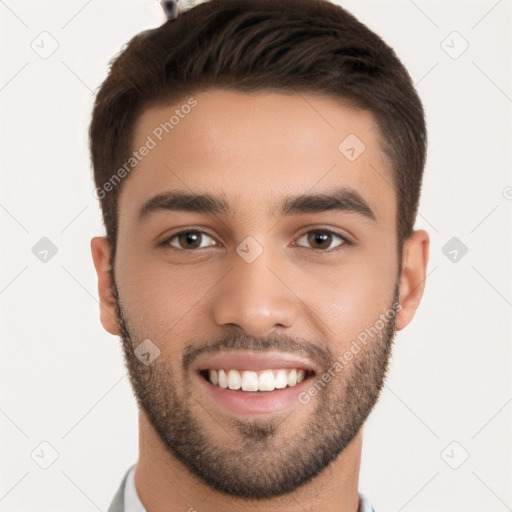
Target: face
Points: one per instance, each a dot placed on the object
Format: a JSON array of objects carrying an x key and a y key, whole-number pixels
[{"x": 279, "y": 273}]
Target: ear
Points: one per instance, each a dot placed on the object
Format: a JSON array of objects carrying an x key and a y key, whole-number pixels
[
  {"x": 100, "y": 250},
  {"x": 415, "y": 254}
]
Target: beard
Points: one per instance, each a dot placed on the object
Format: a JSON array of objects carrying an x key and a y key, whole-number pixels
[{"x": 273, "y": 459}]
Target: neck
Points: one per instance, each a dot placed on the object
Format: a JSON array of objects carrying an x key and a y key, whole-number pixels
[{"x": 161, "y": 481}]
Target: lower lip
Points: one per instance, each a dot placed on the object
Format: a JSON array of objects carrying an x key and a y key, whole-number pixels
[{"x": 262, "y": 402}]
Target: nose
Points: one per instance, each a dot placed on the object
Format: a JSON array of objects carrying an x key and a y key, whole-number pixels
[{"x": 256, "y": 297}]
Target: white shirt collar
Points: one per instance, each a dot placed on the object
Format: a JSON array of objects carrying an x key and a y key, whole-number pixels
[{"x": 132, "y": 502}]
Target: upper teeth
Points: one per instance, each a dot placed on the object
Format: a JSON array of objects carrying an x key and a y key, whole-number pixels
[{"x": 249, "y": 380}]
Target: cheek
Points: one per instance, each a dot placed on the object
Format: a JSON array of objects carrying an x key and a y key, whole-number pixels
[
  {"x": 357, "y": 295},
  {"x": 161, "y": 300}
]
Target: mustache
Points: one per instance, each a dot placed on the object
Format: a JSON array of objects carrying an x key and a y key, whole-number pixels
[{"x": 238, "y": 340}]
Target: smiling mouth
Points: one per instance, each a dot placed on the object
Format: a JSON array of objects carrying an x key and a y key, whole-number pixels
[{"x": 251, "y": 381}]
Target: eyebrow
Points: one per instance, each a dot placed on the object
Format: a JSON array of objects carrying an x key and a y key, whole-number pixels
[{"x": 344, "y": 199}]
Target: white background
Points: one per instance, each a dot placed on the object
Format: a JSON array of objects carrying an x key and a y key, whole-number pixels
[{"x": 62, "y": 376}]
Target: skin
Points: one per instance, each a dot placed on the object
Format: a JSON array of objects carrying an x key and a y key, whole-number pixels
[{"x": 254, "y": 150}]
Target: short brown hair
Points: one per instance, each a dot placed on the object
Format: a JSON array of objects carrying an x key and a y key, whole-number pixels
[{"x": 251, "y": 45}]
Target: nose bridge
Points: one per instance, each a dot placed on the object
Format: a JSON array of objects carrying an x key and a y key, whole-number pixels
[{"x": 252, "y": 295}]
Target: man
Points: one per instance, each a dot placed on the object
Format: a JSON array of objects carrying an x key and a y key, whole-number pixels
[{"x": 259, "y": 166}]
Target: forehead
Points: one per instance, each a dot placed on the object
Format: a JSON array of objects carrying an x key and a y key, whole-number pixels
[{"x": 253, "y": 148}]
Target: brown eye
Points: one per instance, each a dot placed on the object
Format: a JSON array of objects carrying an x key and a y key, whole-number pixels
[
  {"x": 188, "y": 240},
  {"x": 322, "y": 239}
]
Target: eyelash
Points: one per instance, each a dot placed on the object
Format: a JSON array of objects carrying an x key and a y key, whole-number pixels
[{"x": 166, "y": 243}]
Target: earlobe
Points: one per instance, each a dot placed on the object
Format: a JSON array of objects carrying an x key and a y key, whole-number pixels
[
  {"x": 100, "y": 250},
  {"x": 412, "y": 278}
]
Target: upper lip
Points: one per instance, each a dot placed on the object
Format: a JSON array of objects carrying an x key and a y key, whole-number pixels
[{"x": 248, "y": 360}]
